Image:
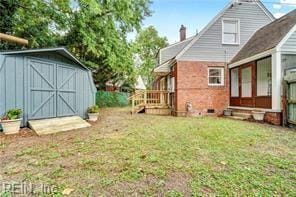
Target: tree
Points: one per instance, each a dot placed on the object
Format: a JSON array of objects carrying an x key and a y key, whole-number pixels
[
  {"x": 38, "y": 21},
  {"x": 147, "y": 45},
  {"x": 94, "y": 30},
  {"x": 98, "y": 36}
]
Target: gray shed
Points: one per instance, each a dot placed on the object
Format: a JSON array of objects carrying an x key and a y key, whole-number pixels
[{"x": 45, "y": 83}]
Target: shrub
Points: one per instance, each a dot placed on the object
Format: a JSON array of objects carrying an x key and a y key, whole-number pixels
[
  {"x": 111, "y": 99},
  {"x": 12, "y": 114},
  {"x": 93, "y": 109}
]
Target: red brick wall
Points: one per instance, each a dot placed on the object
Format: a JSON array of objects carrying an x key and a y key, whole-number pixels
[
  {"x": 273, "y": 118},
  {"x": 192, "y": 86}
]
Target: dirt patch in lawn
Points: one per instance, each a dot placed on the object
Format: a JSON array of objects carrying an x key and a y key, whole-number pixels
[
  {"x": 176, "y": 182},
  {"x": 179, "y": 182}
]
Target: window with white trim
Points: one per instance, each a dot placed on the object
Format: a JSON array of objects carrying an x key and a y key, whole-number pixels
[
  {"x": 216, "y": 76},
  {"x": 230, "y": 31}
]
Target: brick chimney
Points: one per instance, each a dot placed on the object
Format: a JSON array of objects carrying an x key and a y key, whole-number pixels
[{"x": 182, "y": 33}]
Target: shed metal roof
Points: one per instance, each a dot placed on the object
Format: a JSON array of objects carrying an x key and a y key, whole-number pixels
[
  {"x": 268, "y": 37},
  {"x": 60, "y": 50}
]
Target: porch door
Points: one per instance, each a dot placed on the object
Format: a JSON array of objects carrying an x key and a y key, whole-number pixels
[{"x": 246, "y": 87}]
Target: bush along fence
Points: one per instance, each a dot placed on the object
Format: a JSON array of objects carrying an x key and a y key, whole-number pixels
[{"x": 112, "y": 99}]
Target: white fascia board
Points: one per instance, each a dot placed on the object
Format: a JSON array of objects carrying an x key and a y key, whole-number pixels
[
  {"x": 252, "y": 58},
  {"x": 265, "y": 10}
]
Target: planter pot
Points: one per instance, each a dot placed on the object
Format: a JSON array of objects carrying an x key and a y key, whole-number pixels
[
  {"x": 259, "y": 116},
  {"x": 93, "y": 117},
  {"x": 11, "y": 126},
  {"x": 227, "y": 112}
]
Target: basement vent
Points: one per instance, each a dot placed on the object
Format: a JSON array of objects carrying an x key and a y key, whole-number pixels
[{"x": 211, "y": 111}]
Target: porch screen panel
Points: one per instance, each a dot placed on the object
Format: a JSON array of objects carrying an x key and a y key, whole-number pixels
[
  {"x": 247, "y": 82},
  {"x": 173, "y": 84},
  {"x": 264, "y": 80},
  {"x": 234, "y": 83}
]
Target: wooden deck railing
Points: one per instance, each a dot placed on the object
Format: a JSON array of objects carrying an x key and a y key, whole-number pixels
[{"x": 149, "y": 98}]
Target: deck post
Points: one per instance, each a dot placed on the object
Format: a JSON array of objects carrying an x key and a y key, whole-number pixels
[
  {"x": 145, "y": 97},
  {"x": 133, "y": 104}
]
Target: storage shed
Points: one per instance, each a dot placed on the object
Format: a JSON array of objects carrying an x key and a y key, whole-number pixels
[{"x": 45, "y": 83}]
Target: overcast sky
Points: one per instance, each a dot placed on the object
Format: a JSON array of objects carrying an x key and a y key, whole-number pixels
[{"x": 168, "y": 15}]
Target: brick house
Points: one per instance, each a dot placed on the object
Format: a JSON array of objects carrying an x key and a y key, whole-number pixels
[{"x": 194, "y": 71}]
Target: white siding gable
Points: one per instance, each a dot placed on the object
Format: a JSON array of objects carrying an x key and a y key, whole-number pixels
[
  {"x": 290, "y": 44},
  {"x": 209, "y": 46}
]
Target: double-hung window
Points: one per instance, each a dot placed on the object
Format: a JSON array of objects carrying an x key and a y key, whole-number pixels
[
  {"x": 216, "y": 76},
  {"x": 230, "y": 31}
]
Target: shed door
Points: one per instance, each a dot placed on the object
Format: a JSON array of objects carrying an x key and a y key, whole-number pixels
[
  {"x": 42, "y": 89},
  {"x": 66, "y": 91},
  {"x": 52, "y": 90}
]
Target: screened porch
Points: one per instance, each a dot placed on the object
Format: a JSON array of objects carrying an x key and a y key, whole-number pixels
[{"x": 251, "y": 84}]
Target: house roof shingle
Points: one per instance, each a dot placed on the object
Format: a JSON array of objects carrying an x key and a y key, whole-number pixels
[{"x": 268, "y": 37}]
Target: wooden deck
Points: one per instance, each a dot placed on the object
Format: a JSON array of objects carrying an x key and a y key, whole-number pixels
[{"x": 151, "y": 102}]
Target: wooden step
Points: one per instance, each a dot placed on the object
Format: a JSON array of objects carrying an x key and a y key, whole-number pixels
[
  {"x": 139, "y": 109},
  {"x": 55, "y": 125}
]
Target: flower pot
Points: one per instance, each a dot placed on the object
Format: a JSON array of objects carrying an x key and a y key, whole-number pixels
[
  {"x": 227, "y": 112},
  {"x": 93, "y": 117},
  {"x": 11, "y": 126},
  {"x": 258, "y": 115}
]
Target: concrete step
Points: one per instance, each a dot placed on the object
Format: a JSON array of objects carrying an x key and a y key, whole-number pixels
[
  {"x": 55, "y": 125},
  {"x": 236, "y": 117},
  {"x": 241, "y": 114}
]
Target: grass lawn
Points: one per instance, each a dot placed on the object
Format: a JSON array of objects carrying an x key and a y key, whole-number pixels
[{"x": 153, "y": 155}]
